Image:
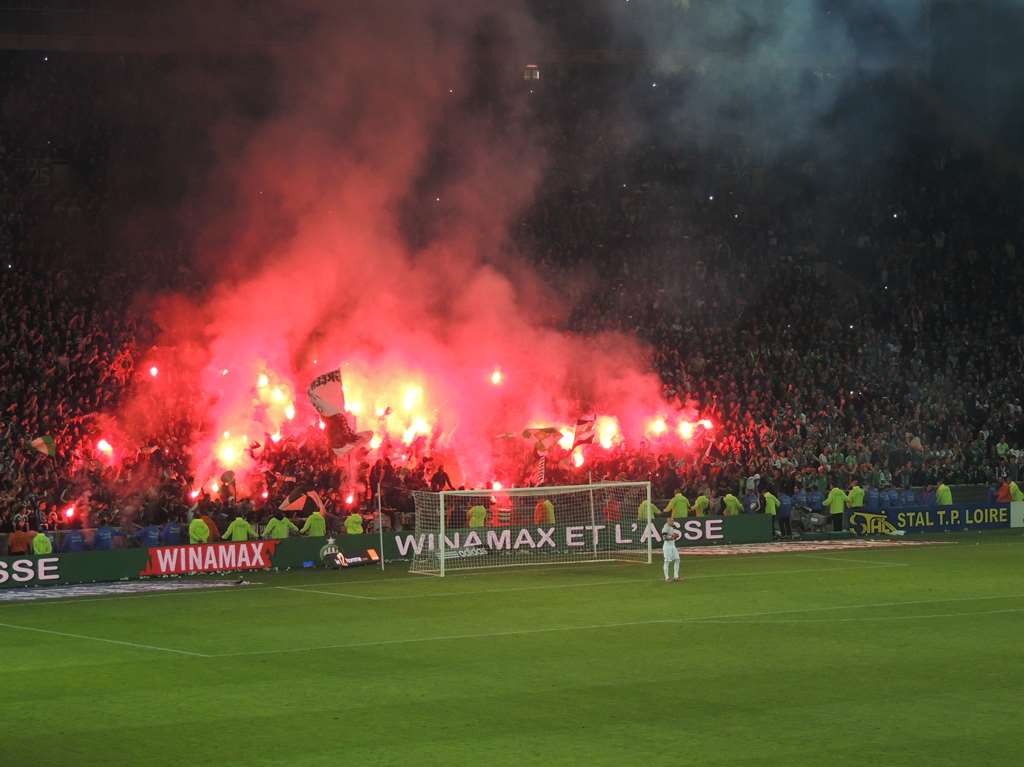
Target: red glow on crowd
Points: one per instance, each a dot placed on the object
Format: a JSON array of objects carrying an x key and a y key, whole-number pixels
[{"x": 415, "y": 411}]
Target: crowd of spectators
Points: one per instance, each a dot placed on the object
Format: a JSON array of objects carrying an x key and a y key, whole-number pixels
[{"x": 836, "y": 332}]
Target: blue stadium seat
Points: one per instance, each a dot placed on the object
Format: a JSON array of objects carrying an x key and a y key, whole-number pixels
[{"x": 872, "y": 499}]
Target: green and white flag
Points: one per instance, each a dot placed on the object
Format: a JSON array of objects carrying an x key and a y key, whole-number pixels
[{"x": 45, "y": 445}]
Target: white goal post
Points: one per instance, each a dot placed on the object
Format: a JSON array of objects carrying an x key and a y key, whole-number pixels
[{"x": 473, "y": 529}]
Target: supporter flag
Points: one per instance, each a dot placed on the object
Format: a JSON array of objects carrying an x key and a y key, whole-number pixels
[
  {"x": 585, "y": 431},
  {"x": 304, "y": 501},
  {"x": 45, "y": 445},
  {"x": 539, "y": 470},
  {"x": 543, "y": 436},
  {"x": 328, "y": 397}
]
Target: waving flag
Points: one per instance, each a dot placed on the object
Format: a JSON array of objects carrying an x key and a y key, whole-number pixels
[
  {"x": 45, "y": 445},
  {"x": 327, "y": 394},
  {"x": 540, "y": 470},
  {"x": 306, "y": 501},
  {"x": 328, "y": 397},
  {"x": 585, "y": 431},
  {"x": 543, "y": 436}
]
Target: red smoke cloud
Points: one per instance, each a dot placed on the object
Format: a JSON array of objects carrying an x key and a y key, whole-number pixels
[{"x": 310, "y": 263}]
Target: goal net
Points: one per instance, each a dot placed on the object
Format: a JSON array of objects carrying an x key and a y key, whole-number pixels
[{"x": 467, "y": 529}]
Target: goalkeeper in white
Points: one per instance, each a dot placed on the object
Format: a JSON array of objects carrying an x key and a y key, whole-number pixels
[{"x": 670, "y": 533}]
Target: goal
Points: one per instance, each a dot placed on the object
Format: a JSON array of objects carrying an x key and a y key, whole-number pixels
[{"x": 471, "y": 529}]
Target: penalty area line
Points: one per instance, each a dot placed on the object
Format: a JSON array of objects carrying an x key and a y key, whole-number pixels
[
  {"x": 832, "y": 608},
  {"x": 804, "y": 621},
  {"x": 327, "y": 593},
  {"x": 449, "y": 637},
  {"x": 120, "y": 642},
  {"x": 858, "y": 561},
  {"x": 630, "y": 581}
]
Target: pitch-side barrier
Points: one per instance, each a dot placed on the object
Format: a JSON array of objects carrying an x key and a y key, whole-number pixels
[{"x": 298, "y": 553}]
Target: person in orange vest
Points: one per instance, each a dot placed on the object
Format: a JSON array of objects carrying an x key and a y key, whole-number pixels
[
  {"x": 214, "y": 530},
  {"x": 1003, "y": 494},
  {"x": 494, "y": 516},
  {"x": 20, "y": 540}
]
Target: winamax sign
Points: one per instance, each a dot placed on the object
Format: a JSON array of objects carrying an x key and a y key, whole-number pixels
[
  {"x": 557, "y": 538},
  {"x": 210, "y": 558},
  {"x": 931, "y": 520}
]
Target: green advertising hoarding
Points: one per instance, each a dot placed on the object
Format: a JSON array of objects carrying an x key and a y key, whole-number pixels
[{"x": 298, "y": 553}]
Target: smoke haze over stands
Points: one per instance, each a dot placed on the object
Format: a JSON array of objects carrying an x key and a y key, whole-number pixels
[{"x": 800, "y": 221}]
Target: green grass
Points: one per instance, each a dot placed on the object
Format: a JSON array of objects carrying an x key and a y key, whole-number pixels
[{"x": 884, "y": 657}]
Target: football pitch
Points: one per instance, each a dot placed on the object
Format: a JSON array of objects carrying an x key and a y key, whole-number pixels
[{"x": 898, "y": 656}]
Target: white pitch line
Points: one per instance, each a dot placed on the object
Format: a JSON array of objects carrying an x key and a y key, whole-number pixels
[
  {"x": 789, "y": 621},
  {"x": 593, "y": 584},
  {"x": 448, "y": 638},
  {"x": 491, "y": 572},
  {"x": 328, "y": 593},
  {"x": 847, "y": 559},
  {"x": 857, "y": 607},
  {"x": 103, "y": 639},
  {"x": 710, "y": 576},
  {"x": 598, "y": 626}
]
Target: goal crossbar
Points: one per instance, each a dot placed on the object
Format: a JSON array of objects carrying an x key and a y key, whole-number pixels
[{"x": 541, "y": 490}]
